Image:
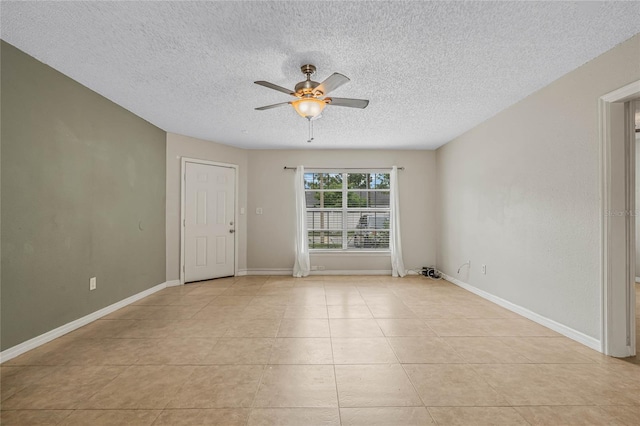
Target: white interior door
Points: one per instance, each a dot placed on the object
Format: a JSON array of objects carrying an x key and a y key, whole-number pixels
[{"x": 209, "y": 221}]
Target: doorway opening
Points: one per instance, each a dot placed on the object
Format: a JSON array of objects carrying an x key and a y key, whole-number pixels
[{"x": 618, "y": 224}]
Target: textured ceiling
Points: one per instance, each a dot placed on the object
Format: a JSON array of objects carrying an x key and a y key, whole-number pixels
[{"x": 432, "y": 70}]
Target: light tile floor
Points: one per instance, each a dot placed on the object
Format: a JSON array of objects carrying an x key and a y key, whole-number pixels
[{"x": 319, "y": 350}]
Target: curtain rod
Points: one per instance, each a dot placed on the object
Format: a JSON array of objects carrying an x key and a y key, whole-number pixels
[{"x": 342, "y": 168}]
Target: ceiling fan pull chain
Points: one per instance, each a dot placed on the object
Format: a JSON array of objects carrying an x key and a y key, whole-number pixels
[{"x": 310, "y": 130}]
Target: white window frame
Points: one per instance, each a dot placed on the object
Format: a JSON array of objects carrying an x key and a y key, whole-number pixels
[{"x": 344, "y": 210}]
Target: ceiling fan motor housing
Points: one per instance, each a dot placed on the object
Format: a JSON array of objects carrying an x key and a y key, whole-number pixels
[{"x": 306, "y": 87}]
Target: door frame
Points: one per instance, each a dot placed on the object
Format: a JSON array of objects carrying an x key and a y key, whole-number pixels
[
  {"x": 183, "y": 185},
  {"x": 618, "y": 294}
]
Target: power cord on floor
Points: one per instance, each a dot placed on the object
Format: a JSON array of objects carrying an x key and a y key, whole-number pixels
[{"x": 428, "y": 272}]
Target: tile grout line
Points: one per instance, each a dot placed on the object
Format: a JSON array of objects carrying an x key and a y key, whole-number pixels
[
  {"x": 335, "y": 376},
  {"x": 264, "y": 367}
]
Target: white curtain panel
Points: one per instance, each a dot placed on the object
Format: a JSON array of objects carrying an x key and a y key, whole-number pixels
[
  {"x": 397, "y": 265},
  {"x": 302, "y": 265}
]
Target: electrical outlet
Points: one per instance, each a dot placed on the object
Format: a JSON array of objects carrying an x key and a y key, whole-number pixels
[
  {"x": 92, "y": 283},
  {"x": 259, "y": 210},
  {"x": 484, "y": 269},
  {"x": 321, "y": 268}
]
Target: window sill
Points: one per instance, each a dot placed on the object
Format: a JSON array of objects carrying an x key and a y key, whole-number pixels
[{"x": 368, "y": 253}]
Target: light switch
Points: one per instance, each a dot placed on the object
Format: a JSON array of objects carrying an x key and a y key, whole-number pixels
[{"x": 259, "y": 210}]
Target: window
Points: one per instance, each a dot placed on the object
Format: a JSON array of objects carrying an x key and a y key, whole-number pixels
[{"x": 347, "y": 211}]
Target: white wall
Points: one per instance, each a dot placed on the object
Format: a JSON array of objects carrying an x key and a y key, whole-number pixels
[
  {"x": 520, "y": 193},
  {"x": 183, "y": 146},
  {"x": 271, "y": 235}
]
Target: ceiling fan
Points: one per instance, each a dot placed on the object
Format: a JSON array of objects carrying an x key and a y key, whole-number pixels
[{"x": 312, "y": 96}]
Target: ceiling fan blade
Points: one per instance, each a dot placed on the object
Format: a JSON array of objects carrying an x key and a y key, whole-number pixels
[
  {"x": 347, "y": 102},
  {"x": 272, "y": 106},
  {"x": 332, "y": 82},
  {"x": 275, "y": 87}
]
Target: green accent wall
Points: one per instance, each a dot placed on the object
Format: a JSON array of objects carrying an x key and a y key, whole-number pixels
[{"x": 82, "y": 195}]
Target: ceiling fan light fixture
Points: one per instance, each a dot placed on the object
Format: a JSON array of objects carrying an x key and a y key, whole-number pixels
[{"x": 308, "y": 107}]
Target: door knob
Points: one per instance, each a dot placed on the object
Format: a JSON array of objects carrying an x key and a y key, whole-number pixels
[{"x": 231, "y": 231}]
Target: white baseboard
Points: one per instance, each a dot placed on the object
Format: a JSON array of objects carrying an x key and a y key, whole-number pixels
[
  {"x": 23, "y": 347},
  {"x": 352, "y": 272},
  {"x": 638, "y": 279},
  {"x": 549, "y": 323},
  {"x": 173, "y": 283},
  {"x": 267, "y": 271},
  {"x": 288, "y": 272}
]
